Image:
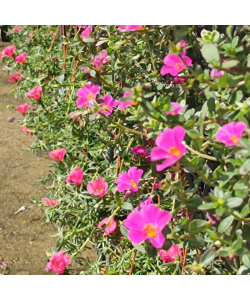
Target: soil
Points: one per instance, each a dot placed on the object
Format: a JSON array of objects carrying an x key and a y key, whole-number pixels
[{"x": 23, "y": 239}]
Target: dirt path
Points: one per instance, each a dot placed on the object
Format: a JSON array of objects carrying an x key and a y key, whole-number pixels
[{"x": 23, "y": 241}]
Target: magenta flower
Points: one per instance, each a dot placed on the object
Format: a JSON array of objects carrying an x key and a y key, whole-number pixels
[
  {"x": 100, "y": 59},
  {"x": 89, "y": 92},
  {"x": 174, "y": 64},
  {"x": 50, "y": 202},
  {"x": 175, "y": 111},
  {"x": 144, "y": 203},
  {"x": 110, "y": 227},
  {"x": 147, "y": 224},
  {"x": 23, "y": 108},
  {"x": 209, "y": 218},
  {"x": 58, "y": 262},
  {"x": 74, "y": 118},
  {"x": 140, "y": 150},
  {"x": 215, "y": 73},
  {"x": 83, "y": 70},
  {"x": 131, "y": 27},
  {"x": 23, "y": 128},
  {"x": 15, "y": 77},
  {"x": 172, "y": 254},
  {"x": 57, "y": 154},
  {"x": 170, "y": 147},
  {"x": 17, "y": 29},
  {"x": 9, "y": 51},
  {"x": 123, "y": 104},
  {"x": 97, "y": 187},
  {"x": 231, "y": 133},
  {"x": 179, "y": 79},
  {"x": 35, "y": 93},
  {"x": 21, "y": 59},
  {"x": 129, "y": 180},
  {"x": 75, "y": 176},
  {"x": 86, "y": 32},
  {"x": 108, "y": 105}
]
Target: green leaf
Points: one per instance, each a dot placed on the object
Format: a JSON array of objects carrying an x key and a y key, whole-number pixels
[
  {"x": 229, "y": 31},
  {"x": 197, "y": 225},
  {"x": 225, "y": 224},
  {"x": 246, "y": 261},
  {"x": 247, "y": 80},
  {"x": 197, "y": 241},
  {"x": 230, "y": 63},
  {"x": 210, "y": 52},
  {"x": 194, "y": 202},
  {"x": 127, "y": 206},
  {"x": 234, "y": 202},
  {"x": 89, "y": 40},
  {"x": 240, "y": 185},
  {"x": 193, "y": 133},
  {"x": 208, "y": 256},
  {"x": 150, "y": 249},
  {"x": 207, "y": 206},
  {"x": 245, "y": 211},
  {"x": 140, "y": 248},
  {"x": 124, "y": 231},
  {"x": 202, "y": 117},
  {"x": 245, "y": 168}
]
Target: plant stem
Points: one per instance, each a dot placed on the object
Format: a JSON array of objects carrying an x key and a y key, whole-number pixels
[{"x": 201, "y": 155}]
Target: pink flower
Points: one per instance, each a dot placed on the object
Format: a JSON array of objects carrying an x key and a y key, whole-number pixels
[
  {"x": 231, "y": 133},
  {"x": 179, "y": 80},
  {"x": 15, "y": 77},
  {"x": 173, "y": 253},
  {"x": 100, "y": 59},
  {"x": 140, "y": 150},
  {"x": 17, "y": 29},
  {"x": 30, "y": 34},
  {"x": 209, "y": 218},
  {"x": 1, "y": 55},
  {"x": 175, "y": 111},
  {"x": 54, "y": 58},
  {"x": 50, "y": 202},
  {"x": 182, "y": 43},
  {"x": 215, "y": 73},
  {"x": 74, "y": 117},
  {"x": 23, "y": 128},
  {"x": 124, "y": 104},
  {"x": 97, "y": 187},
  {"x": 170, "y": 147},
  {"x": 57, "y": 154},
  {"x": 58, "y": 262},
  {"x": 174, "y": 65},
  {"x": 144, "y": 203},
  {"x": 147, "y": 224},
  {"x": 75, "y": 176},
  {"x": 131, "y": 27},
  {"x": 157, "y": 185},
  {"x": 86, "y": 32},
  {"x": 82, "y": 26},
  {"x": 89, "y": 92},
  {"x": 129, "y": 180},
  {"x": 21, "y": 59},
  {"x": 23, "y": 108},
  {"x": 108, "y": 105},
  {"x": 9, "y": 51},
  {"x": 110, "y": 227},
  {"x": 35, "y": 93},
  {"x": 83, "y": 70}
]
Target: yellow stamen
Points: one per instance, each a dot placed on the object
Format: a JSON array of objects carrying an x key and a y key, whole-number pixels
[
  {"x": 150, "y": 229},
  {"x": 132, "y": 183},
  {"x": 177, "y": 66},
  {"x": 174, "y": 151},
  {"x": 90, "y": 96},
  {"x": 234, "y": 138}
]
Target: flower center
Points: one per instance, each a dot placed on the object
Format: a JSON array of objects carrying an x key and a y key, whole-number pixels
[
  {"x": 90, "y": 96},
  {"x": 234, "y": 138},
  {"x": 150, "y": 229},
  {"x": 132, "y": 183},
  {"x": 174, "y": 151},
  {"x": 177, "y": 66}
]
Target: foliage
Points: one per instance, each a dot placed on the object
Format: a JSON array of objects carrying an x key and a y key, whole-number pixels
[{"x": 210, "y": 177}]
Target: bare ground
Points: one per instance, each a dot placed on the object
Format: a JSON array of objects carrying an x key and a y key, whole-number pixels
[{"x": 23, "y": 239}]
